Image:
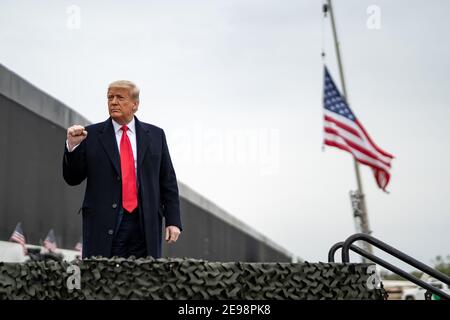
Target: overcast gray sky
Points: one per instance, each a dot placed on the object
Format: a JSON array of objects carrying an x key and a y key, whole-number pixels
[{"x": 237, "y": 85}]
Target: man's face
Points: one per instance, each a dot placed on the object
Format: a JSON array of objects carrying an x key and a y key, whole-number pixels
[{"x": 121, "y": 105}]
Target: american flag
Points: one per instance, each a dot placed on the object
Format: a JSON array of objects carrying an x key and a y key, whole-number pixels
[
  {"x": 19, "y": 237},
  {"x": 343, "y": 130},
  {"x": 50, "y": 241}
]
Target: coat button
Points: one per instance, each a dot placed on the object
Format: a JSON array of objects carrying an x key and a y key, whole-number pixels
[
  {"x": 114, "y": 205},
  {"x": 110, "y": 232},
  {"x": 118, "y": 177}
]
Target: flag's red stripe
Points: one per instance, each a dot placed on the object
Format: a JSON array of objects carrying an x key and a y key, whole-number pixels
[
  {"x": 18, "y": 235},
  {"x": 346, "y": 148},
  {"x": 376, "y": 168},
  {"x": 376, "y": 176},
  {"x": 357, "y": 147},
  {"x": 18, "y": 240},
  {"x": 384, "y": 153},
  {"x": 379, "y": 180},
  {"x": 343, "y": 126},
  {"x": 356, "y": 133}
]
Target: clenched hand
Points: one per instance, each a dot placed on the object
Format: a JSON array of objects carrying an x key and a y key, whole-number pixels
[{"x": 75, "y": 134}]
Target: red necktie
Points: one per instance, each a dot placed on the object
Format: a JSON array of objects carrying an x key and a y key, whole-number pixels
[{"x": 129, "y": 192}]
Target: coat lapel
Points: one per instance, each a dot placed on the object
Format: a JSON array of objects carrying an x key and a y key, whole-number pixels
[
  {"x": 143, "y": 142},
  {"x": 108, "y": 140}
]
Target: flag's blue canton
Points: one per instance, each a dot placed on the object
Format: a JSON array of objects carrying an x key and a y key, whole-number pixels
[
  {"x": 51, "y": 237},
  {"x": 332, "y": 99},
  {"x": 19, "y": 229}
]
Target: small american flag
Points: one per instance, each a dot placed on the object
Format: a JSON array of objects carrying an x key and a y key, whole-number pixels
[
  {"x": 343, "y": 130},
  {"x": 50, "y": 241},
  {"x": 19, "y": 237}
]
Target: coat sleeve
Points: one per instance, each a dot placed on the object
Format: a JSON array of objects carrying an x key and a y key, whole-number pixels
[
  {"x": 74, "y": 164},
  {"x": 169, "y": 188}
]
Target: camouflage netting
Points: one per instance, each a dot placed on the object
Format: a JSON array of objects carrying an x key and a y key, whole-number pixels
[{"x": 184, "y": 279}]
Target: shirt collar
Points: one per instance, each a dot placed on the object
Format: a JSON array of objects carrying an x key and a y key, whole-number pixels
[{"x": 131, "y": 125}]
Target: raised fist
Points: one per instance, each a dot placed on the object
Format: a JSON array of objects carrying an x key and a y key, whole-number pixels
[{"x": 75, "y": 134}]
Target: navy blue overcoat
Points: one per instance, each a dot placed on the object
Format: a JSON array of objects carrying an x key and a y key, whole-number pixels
[{"x": 97, "y": 159}]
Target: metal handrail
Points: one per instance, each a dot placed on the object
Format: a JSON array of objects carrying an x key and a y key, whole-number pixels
[
  {"x": 393, "y": 251},
  {"x": 388, "y": 266},
  {"x": 348, "y": 245}
]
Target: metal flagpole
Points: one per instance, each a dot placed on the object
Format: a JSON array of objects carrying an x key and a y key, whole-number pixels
[{"x": 357, "y": 197}]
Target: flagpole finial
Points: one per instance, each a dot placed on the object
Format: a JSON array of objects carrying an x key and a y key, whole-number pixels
[{"x": 325, "y": 9}]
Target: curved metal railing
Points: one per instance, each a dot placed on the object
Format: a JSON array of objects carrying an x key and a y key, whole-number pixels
[{"x": 348, "y": 245}]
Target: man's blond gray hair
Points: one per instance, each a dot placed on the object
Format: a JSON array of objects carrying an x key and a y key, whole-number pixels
[{"x": 134, "y": 90}]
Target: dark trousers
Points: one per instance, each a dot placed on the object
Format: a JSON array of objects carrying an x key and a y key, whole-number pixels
[{"x": 129, "y": 239}]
